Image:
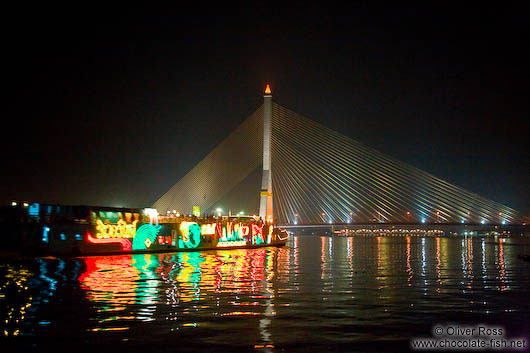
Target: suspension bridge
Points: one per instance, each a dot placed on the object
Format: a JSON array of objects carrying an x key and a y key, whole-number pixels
[{"x": 286, "y": 167}]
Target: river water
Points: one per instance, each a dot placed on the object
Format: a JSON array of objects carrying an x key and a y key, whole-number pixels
[{"x": 318, "y": 294}]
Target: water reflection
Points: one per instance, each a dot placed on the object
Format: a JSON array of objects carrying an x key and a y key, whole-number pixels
[{"x": 268, "y": 298}]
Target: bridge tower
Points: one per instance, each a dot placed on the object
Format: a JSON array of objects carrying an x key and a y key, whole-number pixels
[{"x": 265, "y": 204}]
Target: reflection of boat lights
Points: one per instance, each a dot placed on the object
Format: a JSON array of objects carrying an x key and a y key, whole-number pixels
[
  {"x": 15, "y": 282},
  {"x": 107, "y": 276}
]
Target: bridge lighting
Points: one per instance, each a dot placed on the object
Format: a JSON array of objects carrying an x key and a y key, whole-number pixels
[
  {"x": 423, "y": 220},
  {"x": 503, "y": 221},
  {"x": 463, "y": 221},
  {"x": 268, "y": 89},
  {"x": 483, "y": 221},
  {"x": 25, "y": 204},
  {"x": 13, "y": 203}
]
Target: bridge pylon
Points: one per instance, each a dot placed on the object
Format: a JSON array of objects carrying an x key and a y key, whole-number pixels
[{"x": 265, "y": 204}]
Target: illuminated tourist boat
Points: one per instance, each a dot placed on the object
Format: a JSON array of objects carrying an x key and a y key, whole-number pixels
[{"x": 88, "y": 230}]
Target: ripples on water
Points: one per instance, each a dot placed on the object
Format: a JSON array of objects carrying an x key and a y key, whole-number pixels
[{"x": 317, "y": 294}]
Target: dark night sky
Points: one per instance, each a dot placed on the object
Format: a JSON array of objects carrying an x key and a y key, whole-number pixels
[{"x": 112, "y": 107}]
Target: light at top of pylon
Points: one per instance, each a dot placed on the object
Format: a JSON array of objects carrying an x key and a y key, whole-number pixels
[{"x": 268, "y": 89}]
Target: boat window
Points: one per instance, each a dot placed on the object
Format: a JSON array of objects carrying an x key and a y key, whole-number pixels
[{"x": 109, "y": 216}]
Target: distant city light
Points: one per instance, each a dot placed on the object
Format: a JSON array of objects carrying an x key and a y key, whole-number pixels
[
  {"x": 241, "y": 213},
  {"x": 14, "y": 203},
  {"x": 26, "y": 204}
]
